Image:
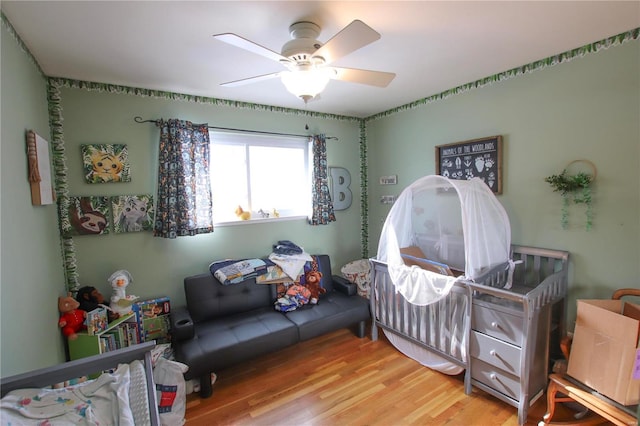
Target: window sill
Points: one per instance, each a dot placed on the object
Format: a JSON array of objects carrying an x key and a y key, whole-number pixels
[{"x": 258, "y": 220}]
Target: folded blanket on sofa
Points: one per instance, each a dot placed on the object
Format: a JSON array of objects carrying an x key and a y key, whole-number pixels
[
  {"x": 235, "y": 271},
  {"x": 286, "y": 247},
  {"x": 274, "y": 275},
  {"x": 292, "y": 265}
]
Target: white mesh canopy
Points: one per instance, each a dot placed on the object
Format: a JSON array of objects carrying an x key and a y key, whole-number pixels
[{"x": 459, "y": 223}]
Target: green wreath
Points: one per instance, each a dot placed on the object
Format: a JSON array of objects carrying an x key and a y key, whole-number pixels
[{"x": 576, "y": 188}]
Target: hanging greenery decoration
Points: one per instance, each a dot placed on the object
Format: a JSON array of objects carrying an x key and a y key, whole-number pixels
[{"x": 576, "y": 188}]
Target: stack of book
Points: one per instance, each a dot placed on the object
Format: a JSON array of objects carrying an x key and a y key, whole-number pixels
[{"x": 121, "y": 336}]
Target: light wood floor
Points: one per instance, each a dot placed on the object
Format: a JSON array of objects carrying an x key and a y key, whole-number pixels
[{"x": 339, "y": 379}]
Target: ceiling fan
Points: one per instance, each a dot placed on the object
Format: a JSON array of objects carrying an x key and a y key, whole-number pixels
[{"x": 307, "y": 60}]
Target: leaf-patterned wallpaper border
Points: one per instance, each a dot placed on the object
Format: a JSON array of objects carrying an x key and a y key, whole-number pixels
[{"x": 514, "y": 72}]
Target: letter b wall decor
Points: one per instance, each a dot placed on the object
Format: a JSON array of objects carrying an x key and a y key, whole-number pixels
[{"x": 340, "y": 193}]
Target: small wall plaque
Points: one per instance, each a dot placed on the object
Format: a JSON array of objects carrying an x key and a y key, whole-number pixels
[
  {"x": 388, "y": 199},
  {"x": 389, "y": 180}
]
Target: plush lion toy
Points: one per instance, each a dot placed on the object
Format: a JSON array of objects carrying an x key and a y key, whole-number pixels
[{"x": 312, "y": 282}]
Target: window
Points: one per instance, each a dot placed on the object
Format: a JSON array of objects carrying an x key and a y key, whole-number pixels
[{"x": 259, "y": 172}]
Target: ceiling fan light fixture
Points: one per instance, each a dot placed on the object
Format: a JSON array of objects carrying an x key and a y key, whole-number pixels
[
  {"x": 306, "y": 84},
  {"x": 306, "y": 59}
]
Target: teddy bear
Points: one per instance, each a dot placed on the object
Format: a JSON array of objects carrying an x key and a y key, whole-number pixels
[
  {"x": 312, "y": 282},
  {"x": 72, "y": 319}
]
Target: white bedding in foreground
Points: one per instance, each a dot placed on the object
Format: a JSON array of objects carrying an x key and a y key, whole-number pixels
[{"x": 103, "y": 401}]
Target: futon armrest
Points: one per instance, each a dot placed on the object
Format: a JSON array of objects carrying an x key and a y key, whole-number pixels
[
  {"x": 181, "y": 324},
  {"x": 345, "y": 286}
]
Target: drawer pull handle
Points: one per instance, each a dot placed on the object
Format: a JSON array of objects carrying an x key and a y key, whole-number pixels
[
  {"x": 495, "y": 325},
  {"x": 493, "y": 376},
  {"x": 492, "y": 352}
]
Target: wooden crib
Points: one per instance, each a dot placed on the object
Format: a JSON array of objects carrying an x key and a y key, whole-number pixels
[{"x": 502, "y": 337}]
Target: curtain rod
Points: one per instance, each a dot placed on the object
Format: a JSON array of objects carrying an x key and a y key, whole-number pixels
[{"x": 139, "y": 119}]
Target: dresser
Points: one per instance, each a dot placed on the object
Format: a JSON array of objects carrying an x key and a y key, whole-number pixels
[{"x": 515, "y": 332}]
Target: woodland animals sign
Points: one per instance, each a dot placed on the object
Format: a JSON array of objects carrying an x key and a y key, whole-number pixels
[{"x": 474, "y": 158}]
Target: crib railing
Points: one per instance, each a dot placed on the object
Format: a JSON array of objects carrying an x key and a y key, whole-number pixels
[
  {"x": 539, "y": 283},
  {"x": 441, "y": 327}
]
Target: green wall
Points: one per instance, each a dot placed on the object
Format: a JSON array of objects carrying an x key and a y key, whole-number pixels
[
  {"x": 159, "y": 265},
  {"x": 31, "y": 265},
  {"x": 587, "y": 108}
]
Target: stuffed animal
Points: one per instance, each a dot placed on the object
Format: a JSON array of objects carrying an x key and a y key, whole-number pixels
[
  {"x": 243, "y": 214},
  {"x": 312, "y": 282},
  {"x": 120, "y": 302},
  {"x": 90, "y": 298},
  {"x": 71, "y": 319}
]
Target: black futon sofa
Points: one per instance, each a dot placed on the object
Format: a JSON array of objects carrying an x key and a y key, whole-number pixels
[{"x": 223, "y": 325}]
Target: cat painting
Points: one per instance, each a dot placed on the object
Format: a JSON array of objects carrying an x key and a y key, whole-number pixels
[
  {"x": 105, "y": 163},
  {"x": 132, "y": 213}
]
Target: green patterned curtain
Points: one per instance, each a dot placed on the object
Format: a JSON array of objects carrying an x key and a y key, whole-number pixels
[
  {"x": 322, "y": 213},
  {"x": 184, "y": 190}
]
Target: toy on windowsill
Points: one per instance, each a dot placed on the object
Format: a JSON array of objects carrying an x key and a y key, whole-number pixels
[
  {"x": 120, "y": 302},
  {"x": 243, "y": 214},
  {"x": 71, "y": 319}
]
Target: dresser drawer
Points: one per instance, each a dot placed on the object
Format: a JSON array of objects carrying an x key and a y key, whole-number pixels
[
  {"x": 495, "y": 352},
  {"x": 495, "y": 378},
  {"x": 500, "y": 325}
]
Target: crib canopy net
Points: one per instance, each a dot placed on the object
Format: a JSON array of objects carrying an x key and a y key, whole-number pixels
[{"x": 459, "y": 223}]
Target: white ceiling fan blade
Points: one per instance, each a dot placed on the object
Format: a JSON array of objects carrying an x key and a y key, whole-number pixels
[
  {"x": 245, "y": 44},
  {"x": 351, "y": 38},
  {"x": 250, "y": 80},
  {"x": 371, "y": 78}
]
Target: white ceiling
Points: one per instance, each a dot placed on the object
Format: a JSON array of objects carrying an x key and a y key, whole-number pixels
[{"x": 432, "y": 46}]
